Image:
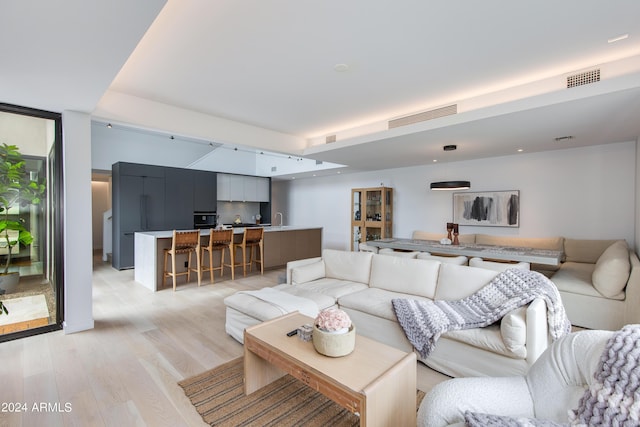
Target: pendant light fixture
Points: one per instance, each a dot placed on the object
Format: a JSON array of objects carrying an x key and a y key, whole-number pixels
[{"x": 451, "y": 185}]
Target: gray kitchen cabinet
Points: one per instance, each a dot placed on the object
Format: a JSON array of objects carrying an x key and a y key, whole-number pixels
[
  {"x": 154, "y": 198},
  {"x": 138, "y": 203},
  {"x": 179, "y": 198},
  {"x": 205, "y": 192}
]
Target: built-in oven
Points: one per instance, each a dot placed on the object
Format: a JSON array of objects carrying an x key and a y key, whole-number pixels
[{"x": 205, "y": 220}]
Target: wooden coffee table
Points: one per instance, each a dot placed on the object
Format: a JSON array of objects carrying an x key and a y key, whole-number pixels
[{"x": 376, "y": 381}]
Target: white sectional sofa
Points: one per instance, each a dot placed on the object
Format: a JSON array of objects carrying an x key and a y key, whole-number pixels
[
  {"x": 599, "y": 280},
  {"x": 363, "y": 284}
]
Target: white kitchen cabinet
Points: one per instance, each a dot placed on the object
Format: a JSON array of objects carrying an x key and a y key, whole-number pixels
[
  {"x": 262, "y": 193},
  {"x": 250, "y": 188},
  {"x": 242, "y": 188}
]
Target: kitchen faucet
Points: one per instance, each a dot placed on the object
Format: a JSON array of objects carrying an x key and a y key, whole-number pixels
[{"x": 281, "y": 220}]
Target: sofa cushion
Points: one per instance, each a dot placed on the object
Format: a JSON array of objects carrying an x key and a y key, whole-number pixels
[
  {"x": 308, "y": 273},
  {"x": 497, "y": 266},
  {"x": 263, "y": 310},
  {"x": 323, "y": 301},
  {"x": 411, "y": 276},
  {"x": 612, "y": 269},
  {"x": 487, "y": 338},
  {"x": 458, "y": 281},
  {"x": 334, "y": 288},
  {"x": 513, "y": 328},
  {"x": 582, "y": 250},
  {"x": 352, "y": 266},
  {"x": 459, "y": 260},
  {"x": 375, "y": 302},
  {"x": 576, "y": 278}
]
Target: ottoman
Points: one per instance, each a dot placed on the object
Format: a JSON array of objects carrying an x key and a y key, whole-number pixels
[{"x": 248, "y": 308}]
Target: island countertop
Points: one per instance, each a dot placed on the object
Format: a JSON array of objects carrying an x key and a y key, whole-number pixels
[
  {"x": 236, "y": 230},
  {"x": 281, "y": 245}
]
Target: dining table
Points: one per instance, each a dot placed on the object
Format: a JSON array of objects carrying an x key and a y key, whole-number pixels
[{"x": 494, "y": 252}]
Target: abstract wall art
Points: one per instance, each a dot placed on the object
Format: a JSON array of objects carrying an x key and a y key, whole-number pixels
[{"x": 490, "y": 208}]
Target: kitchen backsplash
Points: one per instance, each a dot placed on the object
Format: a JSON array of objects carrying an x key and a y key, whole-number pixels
[{"x": 227, "y": 211}]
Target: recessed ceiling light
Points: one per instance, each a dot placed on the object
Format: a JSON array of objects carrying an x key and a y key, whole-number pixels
[
  {"x": 520, "y": 150},
  {"x": 341, "y": 68},
  {"x": 435, "y": 160},
  {"x": 618, "y": 38}
]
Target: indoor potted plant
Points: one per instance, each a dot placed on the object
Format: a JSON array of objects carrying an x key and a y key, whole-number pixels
[
  {"x": 333, "y": 333},
  {"x": 16, "y": 189}
]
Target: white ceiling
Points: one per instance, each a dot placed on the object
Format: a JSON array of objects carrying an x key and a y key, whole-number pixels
[{"x": 270, "y": 64}]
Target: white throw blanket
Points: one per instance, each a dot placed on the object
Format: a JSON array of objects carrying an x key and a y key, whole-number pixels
[
  {"x": 285, "y": 302},
  {"x": 424, "y": 321}
]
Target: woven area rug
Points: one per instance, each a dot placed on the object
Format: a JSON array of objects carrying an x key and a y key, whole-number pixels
[{"x": 218, "y": 396}]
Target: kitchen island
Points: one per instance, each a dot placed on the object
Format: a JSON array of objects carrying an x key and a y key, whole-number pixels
[{"x": 281, "y": 245}]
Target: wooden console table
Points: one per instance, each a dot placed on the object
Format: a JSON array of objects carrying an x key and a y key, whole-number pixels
[
  {"x": 376, "y": 381},
  {"x": 503, "y": 253}
]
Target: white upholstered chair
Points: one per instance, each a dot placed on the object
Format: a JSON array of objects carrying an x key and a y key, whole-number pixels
[{"x": 553, "y": 385}]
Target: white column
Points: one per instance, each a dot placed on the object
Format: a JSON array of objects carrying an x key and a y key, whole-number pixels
[{"x": 78, "y": 263}]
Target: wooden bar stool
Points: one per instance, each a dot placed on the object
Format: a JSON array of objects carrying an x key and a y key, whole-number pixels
[
  {"x": 183, "y": 242},
  {"x": 251, "y": 240},
  {"x": 219, "y": 240}
]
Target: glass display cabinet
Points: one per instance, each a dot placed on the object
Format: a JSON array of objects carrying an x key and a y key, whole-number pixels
[{"x": 371, "y": 214}]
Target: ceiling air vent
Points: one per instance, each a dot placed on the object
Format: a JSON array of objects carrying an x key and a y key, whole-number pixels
[
  {"x": 585, "y": 78},
  {"x": 424, "y": 116},
  {"x": 329, "y": 139}
]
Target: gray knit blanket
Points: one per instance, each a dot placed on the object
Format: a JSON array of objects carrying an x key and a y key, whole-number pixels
[
  {"x": 424, "y": 322},
  {"x": 613, "y": 399}
]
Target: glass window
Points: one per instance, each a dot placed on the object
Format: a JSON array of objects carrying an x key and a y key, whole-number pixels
[{"x": 30, "y": 226}]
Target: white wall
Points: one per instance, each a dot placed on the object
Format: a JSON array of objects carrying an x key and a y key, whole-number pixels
[
  {"x": 580, "y": 193},
  {"x": 118, "y": 144},
  {"x": 78, "y": 262},
  {"x": 30, "y": 134}
]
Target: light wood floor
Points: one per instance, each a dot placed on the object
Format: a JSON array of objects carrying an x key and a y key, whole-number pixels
[{"x": 124, "y": 372}]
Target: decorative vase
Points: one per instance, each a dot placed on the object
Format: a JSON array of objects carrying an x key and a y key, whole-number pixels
[{"x": 333, "y": 344}]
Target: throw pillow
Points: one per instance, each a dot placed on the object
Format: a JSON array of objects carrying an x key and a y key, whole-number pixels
[
  {"x": 612, "y": 270},
  {"x": 308, "y": 273},
  {"x": 513, "y": 329}
]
